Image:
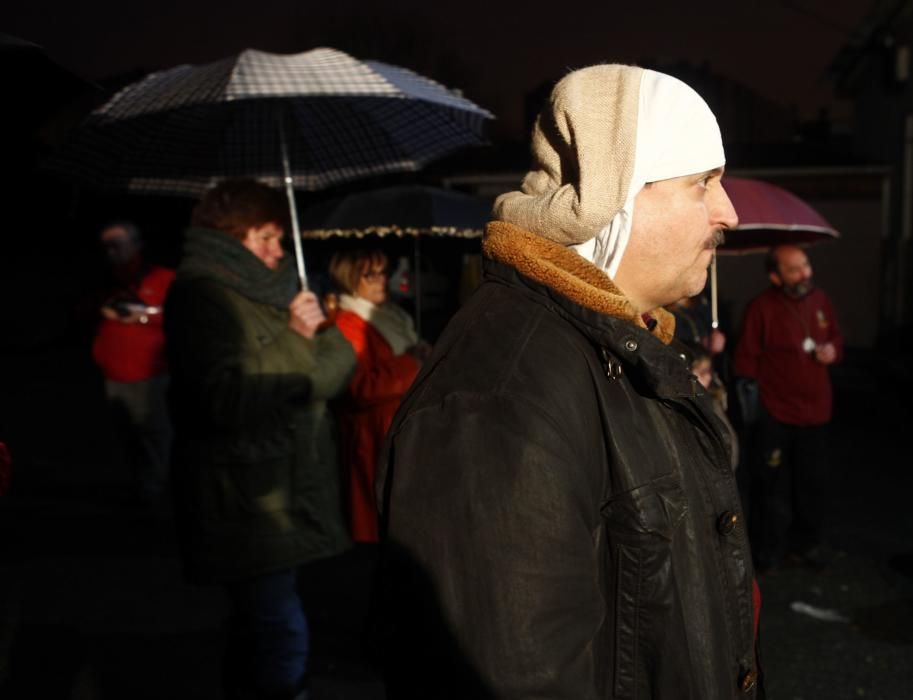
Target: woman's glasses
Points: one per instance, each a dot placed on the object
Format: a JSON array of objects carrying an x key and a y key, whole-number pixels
[{"x": 374, "y": 274}]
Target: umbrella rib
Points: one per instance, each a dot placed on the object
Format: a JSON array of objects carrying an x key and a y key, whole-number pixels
[{"x": 787, "y": 227}]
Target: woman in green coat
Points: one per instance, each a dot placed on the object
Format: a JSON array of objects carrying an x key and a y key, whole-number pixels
[{"x": 254, "y": 465}]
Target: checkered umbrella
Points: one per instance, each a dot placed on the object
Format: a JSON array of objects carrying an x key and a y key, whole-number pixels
[{"x": 308, "y": 120}]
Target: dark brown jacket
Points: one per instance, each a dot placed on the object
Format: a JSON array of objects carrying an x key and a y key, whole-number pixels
[{"x": 561, "y": 517}]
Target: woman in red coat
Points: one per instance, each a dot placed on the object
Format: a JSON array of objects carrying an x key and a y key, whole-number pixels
[{"x": 389, "y": 356}]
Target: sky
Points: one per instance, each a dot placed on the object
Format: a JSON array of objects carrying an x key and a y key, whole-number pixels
[{"x": 495, "y": 51}]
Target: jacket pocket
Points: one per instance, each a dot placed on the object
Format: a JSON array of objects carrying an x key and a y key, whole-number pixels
[
  {"x": 640, "y": 526},
  {"x": 646, "y": 512}
]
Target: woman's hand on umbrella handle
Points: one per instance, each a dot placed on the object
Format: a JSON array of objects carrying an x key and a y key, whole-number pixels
[{"x": 305, "y": 315}]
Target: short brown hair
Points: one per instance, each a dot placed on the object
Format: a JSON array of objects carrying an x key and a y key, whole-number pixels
[
  {"x": 347, "y": 267},
  {"x": 235, "y": 206}
]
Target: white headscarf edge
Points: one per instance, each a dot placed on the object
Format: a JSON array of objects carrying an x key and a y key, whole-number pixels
[{"x": 677, "y": 135}]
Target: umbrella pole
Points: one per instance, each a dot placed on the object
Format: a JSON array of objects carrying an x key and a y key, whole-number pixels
[
  {"x": 714, "y": 314},
  {"x": 292, "y": 206},
  {"x": 418, "y": 287}
]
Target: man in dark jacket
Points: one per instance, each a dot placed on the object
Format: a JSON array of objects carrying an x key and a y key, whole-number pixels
[{"x": 560, "y": 514}]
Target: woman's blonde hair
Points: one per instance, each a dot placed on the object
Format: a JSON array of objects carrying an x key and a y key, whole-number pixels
[{"x": 347, "y": 267}]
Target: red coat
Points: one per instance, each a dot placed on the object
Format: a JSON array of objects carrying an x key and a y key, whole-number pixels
[
  {"x": 365, "y": 414},
  {"x": 134, "y": 352}
]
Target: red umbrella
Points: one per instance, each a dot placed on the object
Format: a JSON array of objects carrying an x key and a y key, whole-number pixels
[{"x": 769, "y": 216}]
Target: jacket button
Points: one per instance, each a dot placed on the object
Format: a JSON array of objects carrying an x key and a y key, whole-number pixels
[
  {"x": 630, "y": 345},
  {"x": 727, "y": 522},
  {"x": 749, "y": 681}
]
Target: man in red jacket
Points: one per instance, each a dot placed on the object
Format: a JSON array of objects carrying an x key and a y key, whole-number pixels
[
  {"x": 129, "y": 349},
  {"x": 788, "y": 341}
]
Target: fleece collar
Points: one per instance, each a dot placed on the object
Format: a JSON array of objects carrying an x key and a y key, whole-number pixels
[{"x": 567, "y": 273}]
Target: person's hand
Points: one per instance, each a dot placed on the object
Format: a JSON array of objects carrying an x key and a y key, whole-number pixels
[
  {"x": 825, "y": 353},
  {"x": 305, "y": 315},
  {"x": 130, "y": 318},
  {"x": 716, "y": 343}
]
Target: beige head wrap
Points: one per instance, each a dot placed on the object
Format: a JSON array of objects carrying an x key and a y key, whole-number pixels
[{"x": 607, "y": 131}]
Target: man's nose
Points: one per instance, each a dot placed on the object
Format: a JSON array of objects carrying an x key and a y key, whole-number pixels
[
  {"x": 278, "y": 251},
  {"x": 722, "y": 212}
]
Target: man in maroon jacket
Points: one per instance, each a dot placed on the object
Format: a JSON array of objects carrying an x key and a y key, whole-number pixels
[{"x": 789, "y": 338}]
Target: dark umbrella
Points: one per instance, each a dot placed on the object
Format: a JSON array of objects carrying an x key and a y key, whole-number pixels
[
  {"x": 405, "y": 210},
  {"x": 34, "y": 85}
]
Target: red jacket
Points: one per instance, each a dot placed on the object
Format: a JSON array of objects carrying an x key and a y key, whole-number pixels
[
  {"x": 132, "y": 352},
  {"x": 795, "y": 387},
  {"x": 380, "y": 381}
]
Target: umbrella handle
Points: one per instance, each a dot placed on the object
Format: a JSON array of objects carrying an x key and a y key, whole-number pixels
[
  {"x": 417, "y": 286},
  {"x": 714, "y": 313},
  {"x": 292, "y": 206}
]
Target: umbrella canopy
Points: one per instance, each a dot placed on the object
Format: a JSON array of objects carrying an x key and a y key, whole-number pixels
[
  {"x": 405, "y": 210},
  {"x": 770, "y": 216},
  {"x": 335, "y": 118},
  {"x": 409, "y": 210}
]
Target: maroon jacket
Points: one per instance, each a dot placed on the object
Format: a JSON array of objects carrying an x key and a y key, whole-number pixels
[{"x": 795, "y": 387}]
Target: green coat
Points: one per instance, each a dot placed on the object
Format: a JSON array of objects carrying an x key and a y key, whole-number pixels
[{"x": 255, "y": 464}]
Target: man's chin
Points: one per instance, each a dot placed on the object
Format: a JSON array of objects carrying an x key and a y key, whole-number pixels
[
  {"x": 696, "y": 287},
  {"x": 797, "y": 291}
]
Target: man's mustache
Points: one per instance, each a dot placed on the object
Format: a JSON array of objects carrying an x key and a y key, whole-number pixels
[{"x": 717, "y": 239}]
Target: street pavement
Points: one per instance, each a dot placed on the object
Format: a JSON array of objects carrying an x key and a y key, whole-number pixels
[{"x": 93, "y": 606}]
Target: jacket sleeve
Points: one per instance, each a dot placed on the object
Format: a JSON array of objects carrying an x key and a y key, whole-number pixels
[
  {"x": 750, "y": 346},
  {"x": 378, "y": 376},
  {"x": 234, "y": 381},
  {"x": 334, "y": 364},
  {"x": 160, "y": 280},
  {"x": 493, "y": 553}
]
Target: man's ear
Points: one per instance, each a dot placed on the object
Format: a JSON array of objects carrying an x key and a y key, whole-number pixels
[{"x": 775, "y": 279}]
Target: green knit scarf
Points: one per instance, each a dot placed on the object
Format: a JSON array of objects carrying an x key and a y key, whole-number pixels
[{"x": 210, "y": 254}]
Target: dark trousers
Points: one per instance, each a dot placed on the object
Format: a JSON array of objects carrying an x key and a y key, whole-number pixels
[
  {"x": 141, "y": 412},
  {"x": 270, "y": 639},
  {"x": 789, "y": 496}
]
